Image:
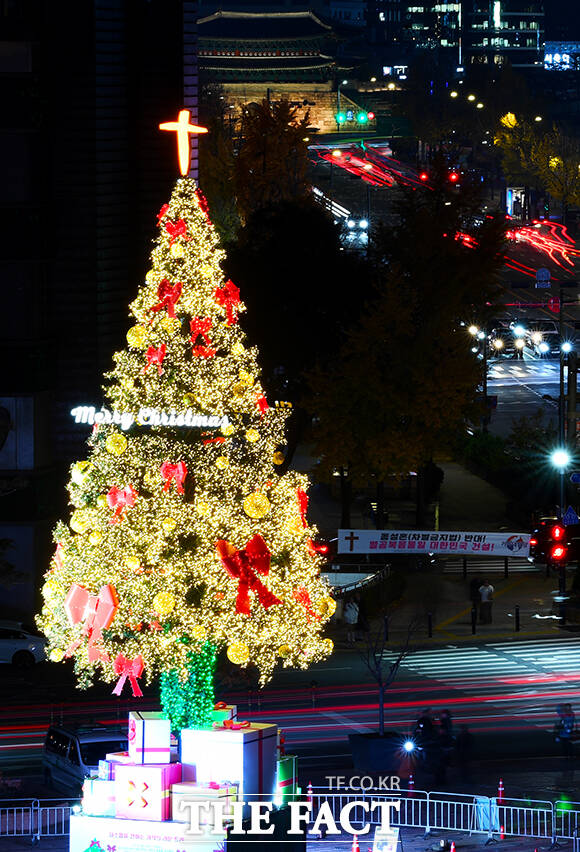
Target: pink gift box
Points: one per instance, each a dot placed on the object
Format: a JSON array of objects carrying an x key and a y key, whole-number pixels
[
  {"x": 149, "y": 738},
  {"x": 144, "y": 791}
]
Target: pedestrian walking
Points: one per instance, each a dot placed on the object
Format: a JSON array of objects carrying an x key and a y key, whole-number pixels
[
  {"x": 350, "y": 617},
  {"x": 565, "y": 730},
  {"x": 486, "y": 600}
]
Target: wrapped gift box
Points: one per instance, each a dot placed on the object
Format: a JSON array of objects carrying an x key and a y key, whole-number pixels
[
  {"x": 245, "y": 756},
  {"x": 144, "y": 791},
  {"x": 149, "y": 738},
  {"x": 223, "y": 711},
  {"x": 107, "y": 770},
  {"x": 287, "y": 778},
  {"x": 98, "y": 797},
  {"x": 187, "y": 791},
  {"x": 118, "y": 757}
]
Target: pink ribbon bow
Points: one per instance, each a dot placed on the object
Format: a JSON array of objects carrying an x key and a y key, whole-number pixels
[
  {"x": 120, "y": 499},
  {"x": 302, "y": 504},
  {"x": 168, "y": 294},
  {"x": 131, "y": 669},
  {"x": 176, "y": 472},
  {"x": 175, "y": 230},
  {"x": 228, "y": 297},
  {"x": 155, "y": 356},
  {"x": 244, "y": 565},
  {"x": 96, "y": 611}
]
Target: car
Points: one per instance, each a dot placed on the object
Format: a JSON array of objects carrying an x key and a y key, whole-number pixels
[
  {"x": 543, "y": 338},
  {"x": 70, "y": 755},
  {"x": 21, "y": 645}
]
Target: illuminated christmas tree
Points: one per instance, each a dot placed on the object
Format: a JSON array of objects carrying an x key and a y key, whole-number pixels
[{"x": 183, "y": 537}]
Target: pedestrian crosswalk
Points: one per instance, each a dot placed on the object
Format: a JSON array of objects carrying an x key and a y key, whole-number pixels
[
  {"x": 493, "y": 660},
  {"x": 562, "y": 655},
  {"x": 523, "y": 372}
]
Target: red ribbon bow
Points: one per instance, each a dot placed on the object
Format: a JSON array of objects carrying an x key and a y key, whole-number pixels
[
  {"x": 243, "y": 565},
  {"x": 235, "y": 726},
  {"x": 203, "y": 205},
  {"x": 176, "y": 472},
  {"x": 220, "y": 705},
  {"x": 175, "y": 230},
  {"x": 218, "y": 440},
  {"x": 168, "y": 294},
  {"x": 120, "y": 499},
  {"x": 302, "y": 504},
  {"x": 131, "y": 669},
  {"x": 200, "y": 328},
  {"x": 228, "y": 297},
  {"x": 162, "y": 213},
  {"x": 97, "y": 612},
  {"x": 262, "y": 403},
  {"x": 155, "y": 356},
  {"x": 302, "y": 595}
]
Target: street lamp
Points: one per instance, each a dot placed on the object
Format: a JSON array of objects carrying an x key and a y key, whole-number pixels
[
  {"x": 342, "y": 83},
  {"x": 560, "y": 458}
]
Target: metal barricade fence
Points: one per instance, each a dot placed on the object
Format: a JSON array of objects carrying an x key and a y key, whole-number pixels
[{"x": 428, "y": 811}]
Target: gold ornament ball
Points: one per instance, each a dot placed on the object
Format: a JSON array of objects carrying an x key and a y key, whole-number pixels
[
  {"x": 170, "y": 324},
  {"x": 116, "y": 444},
  {"x": 284, "y": 651},
  {"x": 133, "y": 563},
  {"x": 238, "y": 389},
  {"x": 227, "y": 429},
  {"x": 238, "y": 349},
  {"x": 137, "y": 336},
  {"x": 102, "y": 501},
  {"x": 198, "y": 632},
  {"x": 80, "y": 472},
  {"x": 252, "y": 435},
  {"x": 238, "y": 653},
  {"x": 201, "y": 507},
  {"x": 328, "y": 645},
  {"x": 256, "y": 505},
  {"x": 95, "y": 537},
  {"x": 222, "y": 462},
  {"x": 206, "y": 271},
  {"x": 327, "y": 607},
  {"x": 168, "y": 525},
  {"x": 189, "y": 399},
  {"x": 163, "y": 603},
  {"x": 56, "y": 655},
  {"x": 246, "y": 378},
  {"x": 278, "y": 457},
  {"x": 80, "y": 522},
  {"x": 177, "y": 250},
  {"x": 150, "y": 277}
]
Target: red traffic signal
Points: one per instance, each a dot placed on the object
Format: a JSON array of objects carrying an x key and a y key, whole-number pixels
[
  {"x": 423, "y": 176},
  {"x": 557, "y": 533},
  {"x": 558, "y": 553},
  {"x": 370, "y": 116},
  {"x": 453, "y": 177}
]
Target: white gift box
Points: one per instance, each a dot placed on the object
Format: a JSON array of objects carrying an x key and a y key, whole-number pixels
[
  {"x": 118, "y": 757},
  {"x": 149, "y": 738},
  {"x": 245, "y": 756},
  {"x": 98, "y": 797},
  {"x": 187, "y": 791}
]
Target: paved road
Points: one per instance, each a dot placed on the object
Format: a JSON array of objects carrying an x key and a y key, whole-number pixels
[
  {"x": 506, "y": 692},
  {"x": 520, "y": 387}
]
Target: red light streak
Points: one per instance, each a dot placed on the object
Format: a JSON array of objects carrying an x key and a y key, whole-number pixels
[{"x": 556, "y": 244}]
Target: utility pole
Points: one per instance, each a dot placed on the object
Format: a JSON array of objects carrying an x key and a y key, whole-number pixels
[{"x": 572, "y": 386}]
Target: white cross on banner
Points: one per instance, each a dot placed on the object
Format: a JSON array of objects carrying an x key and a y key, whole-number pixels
[{"x": 428, "y": 541}]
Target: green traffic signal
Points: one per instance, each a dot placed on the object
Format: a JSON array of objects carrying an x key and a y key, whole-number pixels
[
  {"x": 362, "y": 117},
  {"x": 341, "y": 118}
]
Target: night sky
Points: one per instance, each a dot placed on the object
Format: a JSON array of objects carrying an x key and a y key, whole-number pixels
[{"x": 562, "y": 19}]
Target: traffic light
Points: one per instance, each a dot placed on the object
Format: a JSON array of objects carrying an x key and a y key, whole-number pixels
[
  {"x": 453, "y": 177},
  {"x": 549, "y": 542},
  {"x": 423, "y": 176}
]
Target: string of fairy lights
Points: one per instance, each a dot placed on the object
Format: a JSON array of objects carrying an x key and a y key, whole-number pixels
[{"x": 149, "y": 505}]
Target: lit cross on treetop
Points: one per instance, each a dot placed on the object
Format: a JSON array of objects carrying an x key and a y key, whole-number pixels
[{"x": 183, "y": 128}]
